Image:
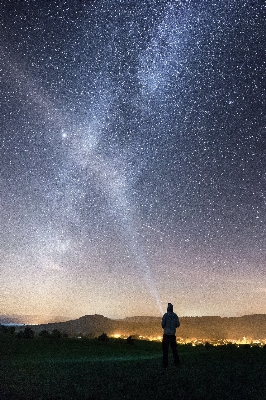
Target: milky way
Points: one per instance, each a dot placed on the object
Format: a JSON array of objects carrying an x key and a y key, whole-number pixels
[{"x": 133, "y": 145}]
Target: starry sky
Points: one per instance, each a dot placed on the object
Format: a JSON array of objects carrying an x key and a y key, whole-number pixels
[{"x": 132, "y": 157}]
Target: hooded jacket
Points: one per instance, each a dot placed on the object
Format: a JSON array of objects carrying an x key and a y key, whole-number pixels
[{"x": 170, "y": 322}]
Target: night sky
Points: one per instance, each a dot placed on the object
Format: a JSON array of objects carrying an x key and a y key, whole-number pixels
[{"x": 132, "y": 157}]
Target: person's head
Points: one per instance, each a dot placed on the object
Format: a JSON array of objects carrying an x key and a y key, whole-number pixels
[{"x": 170, "y": 307}]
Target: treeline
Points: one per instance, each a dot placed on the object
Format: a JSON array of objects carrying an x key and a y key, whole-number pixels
[{"x": 28, "y": 333}]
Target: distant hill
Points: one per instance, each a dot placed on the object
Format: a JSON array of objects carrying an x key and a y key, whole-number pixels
[
  {"x": 30, "y": 319},
  {"x": 250, "y": 326}
]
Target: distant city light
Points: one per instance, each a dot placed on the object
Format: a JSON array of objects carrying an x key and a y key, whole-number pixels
[{"x": 117, "y": 335}]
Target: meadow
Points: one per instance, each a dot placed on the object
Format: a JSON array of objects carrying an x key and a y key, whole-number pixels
[{"x": 65, "y": 368}]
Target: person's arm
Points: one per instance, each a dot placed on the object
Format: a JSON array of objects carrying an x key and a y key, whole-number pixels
[
  {"x": 163, "y": 321},
  {"x": 177, "y": 322}
]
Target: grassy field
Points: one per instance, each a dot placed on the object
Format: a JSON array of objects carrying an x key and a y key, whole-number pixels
[{"x": 88, "y": 369}]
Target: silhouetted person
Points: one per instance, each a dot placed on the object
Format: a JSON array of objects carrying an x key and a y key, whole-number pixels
[{"x": 170, "y": 322}]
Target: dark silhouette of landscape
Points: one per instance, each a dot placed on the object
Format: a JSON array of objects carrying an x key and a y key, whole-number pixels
[
  {"x": 49, "y": 361},
  {"x": 207, "y": 328}
]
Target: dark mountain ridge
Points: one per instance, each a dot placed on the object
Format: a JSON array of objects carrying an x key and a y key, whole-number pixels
[
  {"x": 30, "y": 319},
  {"x": 214, "y": 328}
]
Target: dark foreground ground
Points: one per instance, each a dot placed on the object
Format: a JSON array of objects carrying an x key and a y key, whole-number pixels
[{"x": 88, "y": 369}]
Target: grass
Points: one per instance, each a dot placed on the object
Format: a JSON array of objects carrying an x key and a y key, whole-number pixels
[{"x": 88, "y": 369}]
